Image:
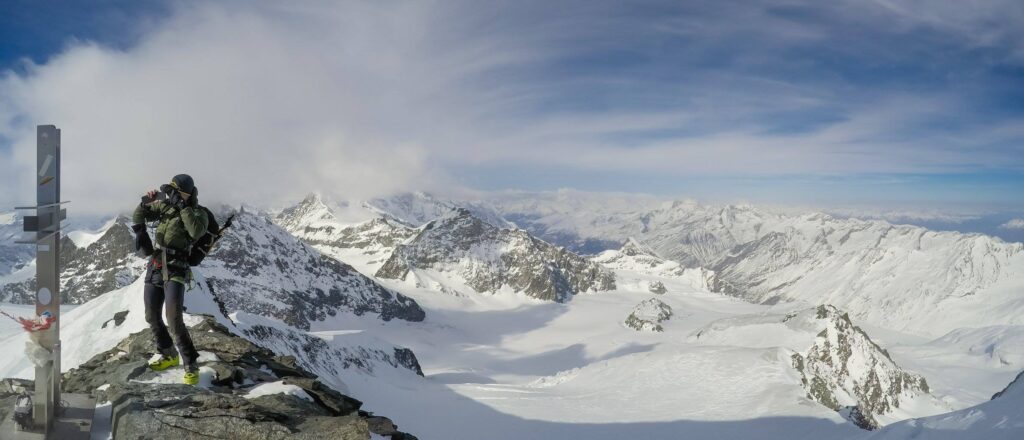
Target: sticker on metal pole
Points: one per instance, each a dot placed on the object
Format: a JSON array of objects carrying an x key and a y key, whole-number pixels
[
  {"x": 44, "y": 296},
  {"x": 46, "y": 165}
]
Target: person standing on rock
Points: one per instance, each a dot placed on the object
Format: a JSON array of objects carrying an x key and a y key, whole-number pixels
[{"x": 181, "y": 222}]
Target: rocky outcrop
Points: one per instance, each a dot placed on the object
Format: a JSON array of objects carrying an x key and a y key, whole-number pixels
[
  {"x": 488, "y": 258},
  {"x": 320, "y": 357},
  {"x": 657, "y": 287},
  {"x": 845, "y": 368},
  {"x": 648, "y": 316},
  {"x": 147, "y": 404}
]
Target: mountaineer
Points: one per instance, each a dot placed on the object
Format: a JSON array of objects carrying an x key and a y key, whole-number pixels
[{"x": 181, "y": 224}]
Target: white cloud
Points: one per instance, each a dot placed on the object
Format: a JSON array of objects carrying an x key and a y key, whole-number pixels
[
  {"x": 264, "y": 101},
  {"x": 1017, "y": 223},
  {"x": 256, "y": 103}
]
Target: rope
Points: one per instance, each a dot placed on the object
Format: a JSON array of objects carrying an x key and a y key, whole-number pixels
[{"x": 42, "y": 322}]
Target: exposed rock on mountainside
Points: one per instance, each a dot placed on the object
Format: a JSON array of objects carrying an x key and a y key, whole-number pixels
[
  {"x": 245, "y": 392},
  {"x": 839, "y": 365},
  {"x": 261, "y": 269},
  {"x": 13, "y": 256},
  {"x": 648, "y": 316},
  {"x": 99, "y": 267},
  {"x": 488, "y": 258},
  {"x": 846, "y": 368},
  {"x": 359, "y": 352}
]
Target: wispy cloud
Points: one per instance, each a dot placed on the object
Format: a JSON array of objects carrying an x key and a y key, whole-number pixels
[
  {"x": 263, "y": 101},
  {"x": 1017, "y": 223}
]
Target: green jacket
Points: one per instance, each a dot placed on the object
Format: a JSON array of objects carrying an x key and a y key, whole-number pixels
[{"x": 178, "y": 228}]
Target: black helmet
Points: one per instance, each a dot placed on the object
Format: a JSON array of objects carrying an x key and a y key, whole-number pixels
[{"x": 183, "y": 183}]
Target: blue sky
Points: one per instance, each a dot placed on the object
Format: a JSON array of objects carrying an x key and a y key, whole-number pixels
[{"x": 885, "y": 103}]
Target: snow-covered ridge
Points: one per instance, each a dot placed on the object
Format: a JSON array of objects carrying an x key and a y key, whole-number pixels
[
  {"x": 488, "y": 259},
  {"x": 260, "y": 268},
  {"x": 365, "y": 245}
]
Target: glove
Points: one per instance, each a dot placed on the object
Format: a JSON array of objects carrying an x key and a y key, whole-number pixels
[
  {"x": 193, "y": 200},
  {"x": 142, "y": 243}
]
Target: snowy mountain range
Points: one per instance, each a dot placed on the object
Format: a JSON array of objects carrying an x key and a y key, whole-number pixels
[
  {"x": 900, "y": 277},
  {"x": 562, "y": 314}
]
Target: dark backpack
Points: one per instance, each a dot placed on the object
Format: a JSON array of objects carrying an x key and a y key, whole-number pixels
[{"x": 204, "y": 245}]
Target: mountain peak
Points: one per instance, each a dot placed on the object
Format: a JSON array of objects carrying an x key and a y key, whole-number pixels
[
  {"x": 634, "y": 248},
  {"x": 489, "y": 258}
]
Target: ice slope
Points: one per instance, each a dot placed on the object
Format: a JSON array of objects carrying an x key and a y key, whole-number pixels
[
  {"x": 967, "y": 365},
  {"x": 1002, "y": 418}
]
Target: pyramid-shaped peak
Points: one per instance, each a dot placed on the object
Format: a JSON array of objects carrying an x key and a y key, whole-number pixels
[
  {"x": 634, "y": 248},
  {"x": 313, "y": 198}
]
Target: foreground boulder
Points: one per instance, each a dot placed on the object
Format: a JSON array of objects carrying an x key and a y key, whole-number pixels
[{"x": 245, "y": 392}]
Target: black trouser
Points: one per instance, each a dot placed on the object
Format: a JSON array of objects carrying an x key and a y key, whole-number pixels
[{"x": 172, "y": 294}]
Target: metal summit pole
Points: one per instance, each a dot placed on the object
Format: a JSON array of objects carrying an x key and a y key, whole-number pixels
[
  {"x": 49, "y": 215},
  {"x": 49, "y": 420},
  {"x": 46, "y": 225}
]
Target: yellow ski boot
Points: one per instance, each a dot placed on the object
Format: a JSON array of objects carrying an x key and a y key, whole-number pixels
[
  {"x": 191, "y": 376},
  {"x": 164, "y": 362}
]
